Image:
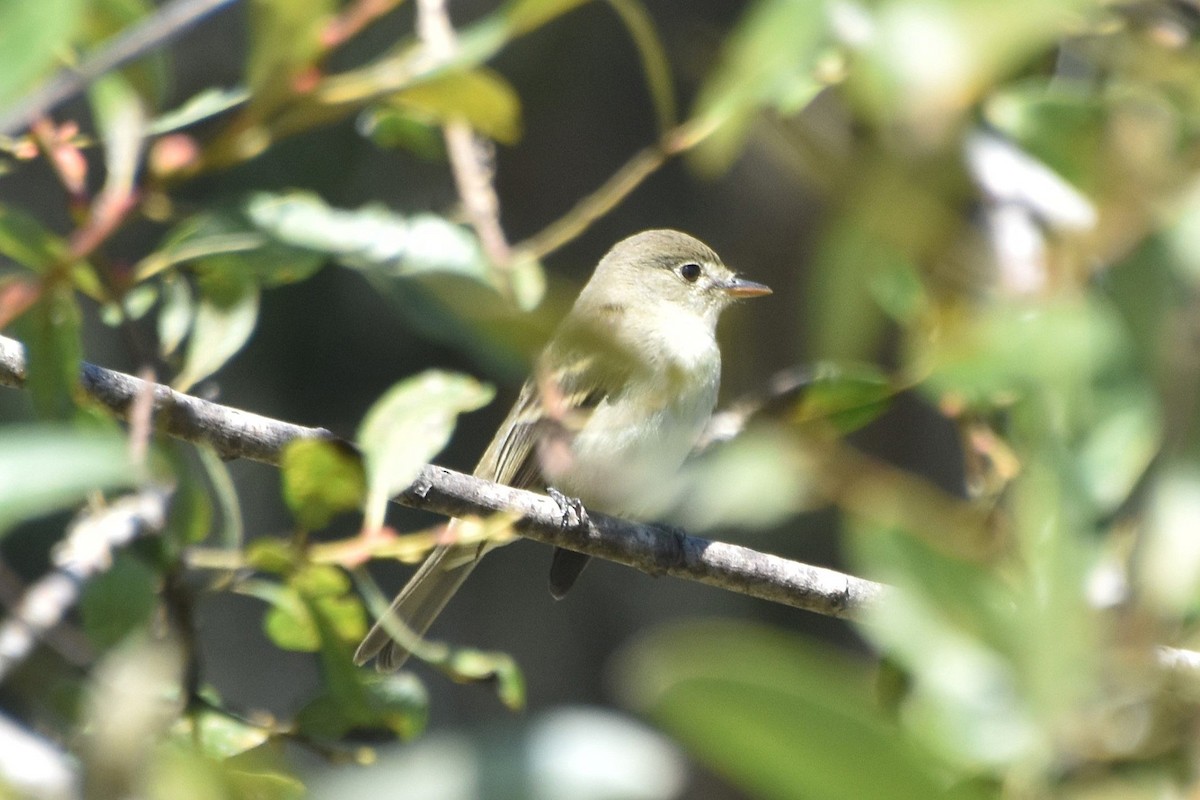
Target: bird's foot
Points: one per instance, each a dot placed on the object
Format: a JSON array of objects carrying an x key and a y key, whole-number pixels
[{"x": 574, "y": 515}]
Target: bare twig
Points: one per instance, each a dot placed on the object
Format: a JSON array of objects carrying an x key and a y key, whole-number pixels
[
  {"x": 155, "y": 30},
  {"x": 86, "y": 551},
  {"x": 470, "y": 157}
]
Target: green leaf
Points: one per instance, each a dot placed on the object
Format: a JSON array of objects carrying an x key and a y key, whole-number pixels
[
  {"x": 284, "y": 41},
  {"x": 176, "y": 313},
  {"x": 1016, "y": 346},
  {"x": 32, "y": 35},
  {"x": 120, "y": 601},
  {"x": 523, "y": 16},
  {"x": 320, "y": 480},
  {"x": 398, "y": 129},
  {"x": 315, "y": 598},
  {"x": 225, "y": 318},
  {"x": 846, "y": 396},
  {"x": 287, "y": 623},
  {"x": 370, "y": 238},
  {"x": 220, "y": 736},
  {"x": 779, "y": 716},
  {"x": 208, "y": 103},
  {"x": 44, "y": 468},
  {"x": 227, "y": 240},
  {"x": 479, "y": 97},
  {"x": 409, "y": 425},
  {"x": 768, "y": 62},
  {"x": 26, "y": 241},
  {"x": 53, "y": 334}
]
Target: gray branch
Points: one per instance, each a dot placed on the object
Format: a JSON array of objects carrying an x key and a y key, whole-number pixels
[{"x": 657, "y": 551}]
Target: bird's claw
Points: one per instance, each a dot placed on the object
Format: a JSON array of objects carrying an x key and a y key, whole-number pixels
[{"x": 574, "y": 515}]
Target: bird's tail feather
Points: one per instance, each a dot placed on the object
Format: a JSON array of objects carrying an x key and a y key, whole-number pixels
[{"x": 418, "y": 604}]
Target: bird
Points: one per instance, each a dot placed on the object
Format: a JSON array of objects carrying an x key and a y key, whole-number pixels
[{"x": 614, "y": 405}]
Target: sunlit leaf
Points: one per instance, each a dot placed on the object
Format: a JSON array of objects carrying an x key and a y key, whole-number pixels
[
  {"x": 1169, "y": 566},
  {"x": 225, "y": 317},
  {"x": 320, "y": 480},
  {"x": 746, "y": 700},
  {"x": 408, "y": 426},
  {"x": 121, "y": 118},
  {"x": 45, "y": 468},
  {"x": 526, "y": 15},
  {"x": 1120, "y": 447},
  {"x": 370, "y": 238},
  {"x": 479, "y": 97},
  {"x": 221, "y": 736},
  {"x": 32, "y": 35}
]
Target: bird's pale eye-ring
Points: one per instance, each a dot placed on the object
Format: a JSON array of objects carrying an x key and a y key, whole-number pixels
[{"x": 690, "y": 272}]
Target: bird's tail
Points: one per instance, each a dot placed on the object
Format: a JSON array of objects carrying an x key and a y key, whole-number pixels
[{"x": 418, "y": 604}]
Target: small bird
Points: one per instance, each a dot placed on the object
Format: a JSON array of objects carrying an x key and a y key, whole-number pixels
[{"x": 615, "y": 404}]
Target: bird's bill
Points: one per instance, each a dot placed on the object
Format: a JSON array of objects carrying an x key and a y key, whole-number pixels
[{"x": 739, "y": 287}]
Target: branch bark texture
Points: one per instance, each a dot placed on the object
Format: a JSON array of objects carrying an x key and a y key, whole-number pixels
[{"x": 234, "y": 433}]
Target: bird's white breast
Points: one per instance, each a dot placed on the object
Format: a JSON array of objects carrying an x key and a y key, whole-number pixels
[{"x": 626, "y": 457}]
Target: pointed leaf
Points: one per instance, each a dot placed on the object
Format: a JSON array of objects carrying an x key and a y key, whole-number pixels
[{"x": 408, "y": 426}]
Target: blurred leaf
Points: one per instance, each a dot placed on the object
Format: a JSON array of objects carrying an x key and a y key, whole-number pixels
[
  {"x": 321, "y": 479},
  {"x": 526, "y": 15},
  {"x": 371, "y": 238},
  {"x": 52, "y": 331},
  {"x": 1119, "y": 447},
  {"x": 45, "y": 468},
  {"x": 208, "y": 103},
  {"x": 32, "y": 36},
  {"x": 755, "y": 480},
  {"x": 191, "y": 514},
  {"x": 227, "y": 240},
  {"x": 220, "y": 736},
  {"x": 480, "y": 97},
  {"x": 271, "y": 555},
  {"x": 231, "y": 533},
  {"x": 284, "y": 41},
  {"x": 746, "y": 700},
  {"x": 768, "y": 62},
  {"x": 1057, "y": 124},
  {"x": 121, "y": 119},
  {"x": 1005, "y": 348},
  {"x": 1168, "y": 568},
  {"x": 176, "y": 313},
  {"x": 395, "y": 702},
  {"x": 954, "y": 628},
  {"x": 409, "y": 425},
  {"x": 655, "y": 65},
  {"x": 149, "y": 74},
  {"x": 24, "y": 240},
  {"x": 394, "y": 128},
  {"x": 854, "y": 270},
  {"x": 499, "y": 669},
  {"x": 846, "y": 396},
  {"x": 927, "y": 61},
  {"x": 119, "y": 601},
  {"x": 225, "y": 318},
  {"x": 312, "y": 590}
]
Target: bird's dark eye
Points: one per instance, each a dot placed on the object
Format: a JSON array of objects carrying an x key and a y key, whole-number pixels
[{"x": 690, "y": 272}]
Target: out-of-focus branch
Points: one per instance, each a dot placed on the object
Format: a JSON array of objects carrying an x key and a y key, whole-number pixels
[
  {"x": 86, "y": 551},
  {"x": 470, "y": 157},
  {"x": 34, "y": 767},
  {"x": 155, "y": 30}
]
